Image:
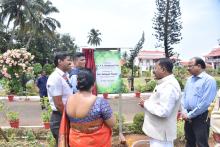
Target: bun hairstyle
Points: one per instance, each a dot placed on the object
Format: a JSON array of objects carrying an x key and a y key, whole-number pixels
[{"x": 85, "y": 80}]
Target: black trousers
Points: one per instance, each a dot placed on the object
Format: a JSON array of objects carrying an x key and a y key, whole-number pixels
[
  {"x": 197, "y": 131},
  {"x": 55, "y": 124}
]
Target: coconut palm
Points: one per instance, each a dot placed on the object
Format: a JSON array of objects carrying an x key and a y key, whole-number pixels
[
  {"x": 18, "y": 11},
  {"x": 29, "y": 15},
  {"x": 42, "y": 23},
  {"x": 94, "y": 37}
]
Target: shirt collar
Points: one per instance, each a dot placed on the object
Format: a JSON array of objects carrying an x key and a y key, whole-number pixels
[
  {"x": 202, "y": 74},
  {"x": 167, "y": 78},
  {"x": 59, "y": 71}
]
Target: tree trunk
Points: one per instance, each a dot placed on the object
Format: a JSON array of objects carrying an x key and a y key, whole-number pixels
[
  {"x": 28, "y": 43},
  {"x": 12, "y": 36},
  {"x": 166, "y": 30}
]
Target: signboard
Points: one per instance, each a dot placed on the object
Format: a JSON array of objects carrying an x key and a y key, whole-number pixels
[{"x": 108, "y": 71}]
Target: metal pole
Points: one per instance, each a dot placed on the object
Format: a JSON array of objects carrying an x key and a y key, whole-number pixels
[
  {"x": 132, "y": 76},
  {"x": 120, "y": 113}
]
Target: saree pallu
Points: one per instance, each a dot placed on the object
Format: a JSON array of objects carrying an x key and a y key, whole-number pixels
[
  {"x": 63, "y": 140},
  {"x": 98, "y": 138}
]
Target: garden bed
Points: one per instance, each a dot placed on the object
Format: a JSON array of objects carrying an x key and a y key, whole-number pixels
[{"x": 42, "y": 137}]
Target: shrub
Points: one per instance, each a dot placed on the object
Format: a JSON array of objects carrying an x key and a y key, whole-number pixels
[
  {"x": 48, "y": 68},
  {"x": 30, "y": 136},
  {"x": 146, "y": 73},
  {"x": 31, "y": 88},
  {"x": 50, "y": 140},
  {"x": 116, "y": 127},
  {"x": 138, "y": 87},
  {"x": 180, "y": 130},
  {"x": 138, "y": 123},
  {"x": 181, "y": 82},
  {"x": 151, "y": 85},
  {"x": 124, "y": 71},
  {"x": 14, "y": 64},
  {"x": 124, "y": 88},
  {"x": 218, "y": 82},
  {"x": 37, "y": 68}
]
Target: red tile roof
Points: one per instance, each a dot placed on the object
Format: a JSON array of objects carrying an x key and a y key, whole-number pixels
[
  {"x": 151, "y": 54},
  {"x": 214, "y": 52},
  {"x": 145, "y": 54}
]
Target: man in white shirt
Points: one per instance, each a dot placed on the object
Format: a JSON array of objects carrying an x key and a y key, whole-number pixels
[
  {"x": 162, "y": 106},
  {"x": 58, "y": 88}
]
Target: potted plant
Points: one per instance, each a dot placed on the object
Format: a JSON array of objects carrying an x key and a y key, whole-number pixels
[
  {"x": 13, "y": 118},
  {"x": 138, "y": 91},
  {"x": 45, "y": 116},
  {"x": 105, "y": 95}
]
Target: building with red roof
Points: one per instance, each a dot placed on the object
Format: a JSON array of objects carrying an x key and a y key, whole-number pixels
[
  {"x": 148, "y": 58},
  {"x": 213, "y": 57}
]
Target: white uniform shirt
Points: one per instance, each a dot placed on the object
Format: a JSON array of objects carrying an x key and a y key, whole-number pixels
[{"x": 56, "y": 86}]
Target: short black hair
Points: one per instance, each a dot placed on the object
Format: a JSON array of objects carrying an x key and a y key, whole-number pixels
[
  {"x": 78, "y": 55},
  {"x": 85, "y": 79},
  {"x": 199, "y": 60},
  {"x": 166, "y": 63},
  {"x": 60, "y": 56}
]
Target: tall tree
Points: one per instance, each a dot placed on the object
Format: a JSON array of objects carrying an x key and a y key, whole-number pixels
[
  {"x": 167, "y": 24},
  {"x": 94, "y": 37},
  {"x": 133, "y": 55},
  {"x": 42, "y": 23},
  {"x": 29, "y": 16},
  {"x": 17, "y": 12}
]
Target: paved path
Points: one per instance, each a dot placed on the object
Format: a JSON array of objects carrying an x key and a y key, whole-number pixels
[{"x": 30, "y": 111}]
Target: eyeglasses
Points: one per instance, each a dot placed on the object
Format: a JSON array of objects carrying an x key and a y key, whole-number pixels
[{"x": 191, "y": 66}]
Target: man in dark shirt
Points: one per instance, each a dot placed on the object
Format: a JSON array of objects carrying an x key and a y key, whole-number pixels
[{"x": 41, "y": 84}]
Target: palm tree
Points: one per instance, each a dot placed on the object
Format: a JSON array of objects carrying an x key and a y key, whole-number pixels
[
  {"x": 94, "y": 38},
  {"x": 18, "y": 12},
  {"x": 42, "y": 23},
  {"x": 29, "y": 15}
]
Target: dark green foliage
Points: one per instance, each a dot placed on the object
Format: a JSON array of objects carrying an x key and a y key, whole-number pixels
[
  {"x": 94, "y": 37},
  {"x": 48, "y": 68},
  {"x": 218, "y": 82},
  {"x": 167, "y": 24},
  {"x": 37, "y": 67},
  {"x": 136, "y": 50},
  {"x": 30, "y": 136},
  {"x": 138, "y": 123}
]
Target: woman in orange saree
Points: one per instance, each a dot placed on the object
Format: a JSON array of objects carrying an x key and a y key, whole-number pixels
[{"x": 91, "y": 117}]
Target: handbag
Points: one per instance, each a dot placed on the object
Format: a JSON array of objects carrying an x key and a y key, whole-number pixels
[{"x": 63, "y": 140}]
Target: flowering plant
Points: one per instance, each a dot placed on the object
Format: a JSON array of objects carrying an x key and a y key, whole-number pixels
[{"x": 15, "y": 63}]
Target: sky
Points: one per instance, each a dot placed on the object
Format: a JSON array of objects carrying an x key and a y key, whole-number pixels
[{"x": 122, "y": 22}]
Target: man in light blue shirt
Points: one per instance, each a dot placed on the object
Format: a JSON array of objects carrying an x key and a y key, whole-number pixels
[
  {"x": 79, "y": 63},
  {"x": 200, "y": 91}
]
